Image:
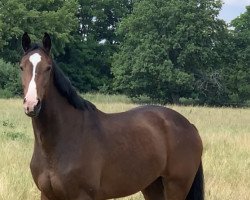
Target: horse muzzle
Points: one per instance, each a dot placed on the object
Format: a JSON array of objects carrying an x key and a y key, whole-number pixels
[{"x": 32, "y": 108}]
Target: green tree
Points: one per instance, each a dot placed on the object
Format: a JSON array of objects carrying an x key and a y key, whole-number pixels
[
  {"x": 10, "y": 81},
  {"x": 56, "y": 17},
  {"x": 87, "y": 59},
  {"x": 239, "y": 74},
  {"x": 168, "y": 47}
]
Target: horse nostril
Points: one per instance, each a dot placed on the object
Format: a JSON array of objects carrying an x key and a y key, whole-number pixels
[
  {"x": 24, "y": 100},
  {"x": 38, "y": 103}
]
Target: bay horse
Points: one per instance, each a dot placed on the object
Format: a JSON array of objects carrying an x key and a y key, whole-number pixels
[{"x": 81, "y": 153}]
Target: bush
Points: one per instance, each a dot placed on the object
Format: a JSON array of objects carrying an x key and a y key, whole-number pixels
[
  {"x": 189, "y": 101},
  {"x": 10, "y": 84}
]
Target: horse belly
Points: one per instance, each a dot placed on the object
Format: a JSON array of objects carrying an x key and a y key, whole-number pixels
[{"x": 133, "y": 171}]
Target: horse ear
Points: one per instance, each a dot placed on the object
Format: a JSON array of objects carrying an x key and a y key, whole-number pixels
[
  {"x": 26, "y": 42},
  {"x": 46, "y": 42}
]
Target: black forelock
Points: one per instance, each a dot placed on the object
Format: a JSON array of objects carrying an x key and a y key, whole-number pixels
[{"x": 34, "y": 47}]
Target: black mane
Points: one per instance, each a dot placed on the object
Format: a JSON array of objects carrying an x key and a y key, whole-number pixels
[
  {"x": 64, "y": 85},
  {"x": 66, "y": 89}
]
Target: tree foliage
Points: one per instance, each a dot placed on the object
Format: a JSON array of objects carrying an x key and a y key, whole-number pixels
[
  {"x": 168, "y": 46},
  {"x": 88, "y": 58},
  {"x": 168, "y": 50},
  {"x": 10, "y": 80},
  {"x": 56, "y": 17},
  {"x": 240, "y": 74}
]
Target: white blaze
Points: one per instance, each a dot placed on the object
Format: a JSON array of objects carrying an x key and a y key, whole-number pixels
[{"x": 31, "y": 95}]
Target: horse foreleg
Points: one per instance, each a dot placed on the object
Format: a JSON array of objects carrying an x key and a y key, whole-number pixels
[
  {"x": 83, "y": 196},
  {"x": 43, "y": 197}
]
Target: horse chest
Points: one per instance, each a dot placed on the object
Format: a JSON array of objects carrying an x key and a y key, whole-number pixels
[
  {"x": 50, "y": 183},
  {"x": 62, "y": 183}
]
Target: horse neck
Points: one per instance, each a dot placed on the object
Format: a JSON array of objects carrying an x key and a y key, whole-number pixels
[{"x": 52, "y": 119}]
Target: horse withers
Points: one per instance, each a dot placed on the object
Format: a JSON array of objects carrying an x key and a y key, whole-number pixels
[{"x": 81, "y": 153}]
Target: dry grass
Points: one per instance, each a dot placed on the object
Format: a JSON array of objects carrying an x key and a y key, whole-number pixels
[{"x": 225, "y": 133}]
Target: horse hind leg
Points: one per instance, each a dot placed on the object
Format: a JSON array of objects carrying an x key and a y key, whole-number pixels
[
  {"x": 197, "y": 189},
  {"x": 176, "y": 189},
  {"x": 191, "y": 188},
  {"x": 155, "y": 191}
]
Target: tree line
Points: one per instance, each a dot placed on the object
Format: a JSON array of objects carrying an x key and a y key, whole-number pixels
[{"x": 171, "y": 51}]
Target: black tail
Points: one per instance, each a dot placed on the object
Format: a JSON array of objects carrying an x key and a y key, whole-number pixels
[{"x": 197, "y": 189}]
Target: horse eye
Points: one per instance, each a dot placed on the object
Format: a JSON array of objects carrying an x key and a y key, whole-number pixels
[
  {"x": 21, "y": 68},
  {"x": 48, "y": 68}
]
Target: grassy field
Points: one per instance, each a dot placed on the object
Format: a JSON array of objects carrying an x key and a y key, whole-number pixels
[{"x": 225, "y": 133}]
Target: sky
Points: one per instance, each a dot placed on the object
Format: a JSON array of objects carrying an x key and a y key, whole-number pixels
[{"x": 233, "y": 8}]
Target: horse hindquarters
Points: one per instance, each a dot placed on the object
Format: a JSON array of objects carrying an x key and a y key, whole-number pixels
[{"x": 197, "y": 189}]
